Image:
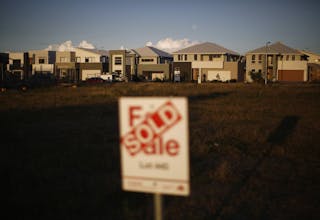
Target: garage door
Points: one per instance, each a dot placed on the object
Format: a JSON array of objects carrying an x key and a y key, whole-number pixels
[{"x": 291, "y": 75}]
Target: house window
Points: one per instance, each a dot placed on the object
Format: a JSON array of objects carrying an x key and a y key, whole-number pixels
[
  {"x": 118, "y": 61},
  {"x": 210, "y": 57},
  {"x": 16, "y": 64},
  {"x": 147, "y": 60},
  {"x": 281, "y": 58},
  {"x": 293, "y": 57},
  {"x": 287, "y": 57},
  {"x": 253, "y": 70},
  {"x": 186, "y": 57},
  {"x": 260, "y": 58},
  {"x": 195, "y": 57},
  {"x": 86, "y": 60},
  {"x": 253, "y": 59},
  {"x": 42, "y": 61}
]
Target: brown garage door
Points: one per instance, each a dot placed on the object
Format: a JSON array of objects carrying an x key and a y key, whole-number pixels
[{"x": 291, "y": 75}]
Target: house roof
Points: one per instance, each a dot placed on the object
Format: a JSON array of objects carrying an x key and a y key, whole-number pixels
[
  {"x": 151, "y": 52},
  {"x": 100, "y": 52},
  {"x": 206, "y": 47},
  {"x": 309, "y": 53},
  {"x": 276, "y": 48}
]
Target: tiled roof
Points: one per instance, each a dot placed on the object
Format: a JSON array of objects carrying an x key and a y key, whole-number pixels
[
  {"x": 206, "y": 47},
  {"x": 151, "y": 52},
  {"x": 276, "y": 48}
]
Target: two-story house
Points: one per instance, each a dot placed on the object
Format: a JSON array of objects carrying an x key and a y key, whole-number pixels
[
  {"x": 65, "y": 68},
  {"x": 19, "y": 64},
  {"x": 313, "y": 66},
  {"x": 207, "y": 62},
  {"x": 42, "y": 61},
  {"x": 153, "y": 64},
  {"x": 91, "y": 62},
  {"x": 277, "y": 62},
  {"x": 123, "y": 63},
  {"x": 4, "y": 61}
]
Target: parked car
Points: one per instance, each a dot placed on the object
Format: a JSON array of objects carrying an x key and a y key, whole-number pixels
[{"x": 95, "y": 80}]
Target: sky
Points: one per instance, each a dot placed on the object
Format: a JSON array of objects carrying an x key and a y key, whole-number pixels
[{"x": 239, "y": 25}]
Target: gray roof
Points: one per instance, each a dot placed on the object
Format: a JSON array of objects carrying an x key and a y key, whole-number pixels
[
  {"x": 100, "y": 52},
  {"x": 276, "y": 48},
  {"x": 151, "y": 52},
  {"x": 206, "y": 47}
]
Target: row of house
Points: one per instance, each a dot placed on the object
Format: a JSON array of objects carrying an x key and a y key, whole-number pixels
[{"x": 202, "y": 62}]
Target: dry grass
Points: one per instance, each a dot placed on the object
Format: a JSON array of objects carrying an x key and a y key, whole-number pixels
[{"x": 254, "y": 152}]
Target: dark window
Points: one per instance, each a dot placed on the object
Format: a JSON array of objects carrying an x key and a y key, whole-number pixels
[
  {"x": 16, "y": 63},
  {"x": 287, "y": 58},
  {"x": 118, "y": 61},
  {"x": 260, "y": 58},
  {"x": 147, "y": 60},
  {"x": 103, "y": 59},
  {"x": 42, "y": 61},
  {"x": 210, "y": 57},
  {"x": 195, "y": 57},
  {"x": 185, "y": 57},
  {"x": 86, "y": 60},
  {"x": 293, "y": 57},
  {"x": 253, "y": 59}
]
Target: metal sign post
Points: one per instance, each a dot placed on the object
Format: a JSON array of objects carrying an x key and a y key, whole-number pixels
[
  {"x": 154, "y": 146},
  {"x": 157, "y": 198}
]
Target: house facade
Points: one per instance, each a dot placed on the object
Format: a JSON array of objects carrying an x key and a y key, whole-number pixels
[
  {"x": 123, "y": 63},
  {"x": 42, "y": 61},
  {"x": 19, "y": 64},
  {"x": 207, "y": 62},
  {"x": 4, "y": 61},
  {"x": 91, "y": 63},
  {"x": 277, "y": 62},
  {"x": 153, "y": 64},
  {"x": 65, "y": 68},
  {"x": 313, "y": 66}
]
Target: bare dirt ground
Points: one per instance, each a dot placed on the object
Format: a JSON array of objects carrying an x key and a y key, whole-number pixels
[{"x": 254, "y": 152}]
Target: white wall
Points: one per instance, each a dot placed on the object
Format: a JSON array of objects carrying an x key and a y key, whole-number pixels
[
  {"x": 42, "y": 67},
  {"x": 89, "y": 74},
  {"x": 219, "y": 75},
  {"x": 16, "y": 56},
  {"x": 207, "y": 64},
  {"x": 294, "y": 65},
  {"x": 81, "y": 56}
]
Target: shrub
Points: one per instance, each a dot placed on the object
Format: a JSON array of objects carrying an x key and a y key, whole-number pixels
[{"x": 256, "y": 77}]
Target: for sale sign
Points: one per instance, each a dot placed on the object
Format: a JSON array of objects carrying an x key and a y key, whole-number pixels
[{"x": 154, "y": 145}]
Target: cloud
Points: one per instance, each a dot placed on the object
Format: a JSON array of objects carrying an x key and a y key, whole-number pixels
[
  {"x": 68, "y": 46},
  {"x": 149, "y": 44},
  {"x": 171, "y": 45},
  {"x": 84, "y": 44}
]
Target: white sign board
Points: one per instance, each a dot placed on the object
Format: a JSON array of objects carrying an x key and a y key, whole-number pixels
[{"x": 154, "y": 145}]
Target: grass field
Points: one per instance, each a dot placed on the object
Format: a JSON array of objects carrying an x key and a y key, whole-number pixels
[{"x": 254, "y": 152}]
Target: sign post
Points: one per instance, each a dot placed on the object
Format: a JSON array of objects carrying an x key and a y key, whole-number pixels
[{"x": 154, "y": 146}]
